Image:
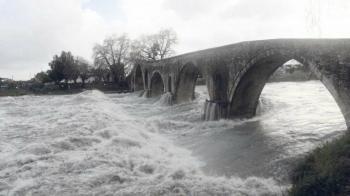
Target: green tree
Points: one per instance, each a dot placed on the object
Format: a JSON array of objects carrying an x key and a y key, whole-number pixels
[
  {"x": 63, "y": 67},
  {"x": 43, "y": 77},
  {"x": 84, "y": 69},
  {"x": 56, "y": 71},
  {"x": 70, "y": 71}
]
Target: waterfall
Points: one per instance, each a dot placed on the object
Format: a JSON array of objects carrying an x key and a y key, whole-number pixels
[
  {"x": 141, "y": 93},
  {"x": 259, "y": 108},
  {"x": 166, "y": 99},
  {"x": 145, "y": 93},
  {"x": 212, "y": 111}
]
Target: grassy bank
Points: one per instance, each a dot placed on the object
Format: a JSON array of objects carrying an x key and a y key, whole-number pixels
[
  {"x": 13, "y": 92},
  {"x": 325, "y": 171},
  {"x": 58, "y": 91},
  {"x": 21, "y": 92}
]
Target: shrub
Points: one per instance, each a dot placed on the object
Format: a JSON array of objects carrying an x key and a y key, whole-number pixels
[{"x": 325, "y": 171}]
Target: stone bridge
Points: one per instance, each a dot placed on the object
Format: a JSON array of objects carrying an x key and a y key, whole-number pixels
[{"x": 236, "y": 74}]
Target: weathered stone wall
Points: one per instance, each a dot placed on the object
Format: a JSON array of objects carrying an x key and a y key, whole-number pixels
[{"x": 236, "y": 74}]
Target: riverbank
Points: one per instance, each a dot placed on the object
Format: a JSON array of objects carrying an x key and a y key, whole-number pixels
[
  {"x": 60, "y": 91},
  {"x": 325, "y": 171},
  {"x": 22, "y": 92}
]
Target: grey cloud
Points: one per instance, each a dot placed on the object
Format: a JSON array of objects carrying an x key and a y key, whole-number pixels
[
  {"x": 190, "y": 8},
  {"x": 31, "y": 32},
  {"x": 263, "y": 10}
]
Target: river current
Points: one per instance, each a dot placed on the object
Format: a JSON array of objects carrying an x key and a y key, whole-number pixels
[{"x": 123, "y": 144}]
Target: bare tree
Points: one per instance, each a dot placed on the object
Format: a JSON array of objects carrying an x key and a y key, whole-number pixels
[
  {"x": 84, "y": 69},
  {"x": 113, "y": 53},
  {"x": 100, "y": 71},
  {"x": 154, "y": 47},
  {"x": 165, "y": 40}
]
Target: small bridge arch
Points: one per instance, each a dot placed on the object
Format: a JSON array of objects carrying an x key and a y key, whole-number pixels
[
  {"x": 186, "y": 83},
  {"x": 156, "y": 84}
]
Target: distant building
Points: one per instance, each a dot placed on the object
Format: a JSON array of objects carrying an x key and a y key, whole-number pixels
[{"x": 292, "y": 71}]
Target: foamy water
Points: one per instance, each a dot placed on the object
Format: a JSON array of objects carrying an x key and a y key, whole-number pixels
[{"x": 123, "y": 144}]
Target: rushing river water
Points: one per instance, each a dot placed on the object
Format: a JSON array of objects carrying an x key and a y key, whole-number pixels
[{"x": 122, "y": 144}]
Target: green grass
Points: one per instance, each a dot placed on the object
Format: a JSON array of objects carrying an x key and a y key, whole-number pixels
[
  {"x": 21, "y": 92},
  {"x": 325, "y": 171},
  {"x": 13, "y": 92}
]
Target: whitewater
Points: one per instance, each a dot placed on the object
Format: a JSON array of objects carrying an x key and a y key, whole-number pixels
[{"x": 123, "y": 144}]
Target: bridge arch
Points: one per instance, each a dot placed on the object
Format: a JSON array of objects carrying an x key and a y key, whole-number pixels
[
  {"x": 232, "y": 68},
  {"x": 249, "y": 85},
  {"x": 156, "y": 85},
  {"x": 138, "y": 79},
  {"x": 186, "y": 83}
]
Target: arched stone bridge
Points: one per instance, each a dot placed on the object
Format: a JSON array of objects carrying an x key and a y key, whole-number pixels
[{"x": 236, "y": 74}]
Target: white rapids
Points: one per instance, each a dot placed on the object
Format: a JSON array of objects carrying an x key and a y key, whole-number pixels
[{"x": 122, "y": 144}]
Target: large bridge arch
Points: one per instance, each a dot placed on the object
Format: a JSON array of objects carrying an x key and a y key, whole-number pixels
[
  {"x": 248, "y": 87},
  {"x": 186, "y": 83},
  {"x": 156, "y": 84}
]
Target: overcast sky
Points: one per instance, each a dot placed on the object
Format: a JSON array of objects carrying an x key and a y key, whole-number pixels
[{"x": 32, "y": 31}]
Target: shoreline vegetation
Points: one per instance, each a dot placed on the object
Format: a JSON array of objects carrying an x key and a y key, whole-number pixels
[
  {"x": 77, "y": 88},
  {"x": 57, "y": 90},
  {"x": 325, "y": 171}
]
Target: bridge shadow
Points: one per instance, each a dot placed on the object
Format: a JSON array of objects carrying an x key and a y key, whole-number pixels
[{"x": 238, "y": 150}]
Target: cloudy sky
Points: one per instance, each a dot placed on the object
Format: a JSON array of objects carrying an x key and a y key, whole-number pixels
[{"x": 32, "y": 31}]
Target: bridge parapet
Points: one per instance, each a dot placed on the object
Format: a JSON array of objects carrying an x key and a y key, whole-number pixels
[{"x": 236, "y": 74}]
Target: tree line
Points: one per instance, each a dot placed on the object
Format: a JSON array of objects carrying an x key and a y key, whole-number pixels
[{"x": 110, "y": 59}]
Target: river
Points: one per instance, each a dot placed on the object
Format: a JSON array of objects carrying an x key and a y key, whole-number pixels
[{"x": 122, "y": 144}]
